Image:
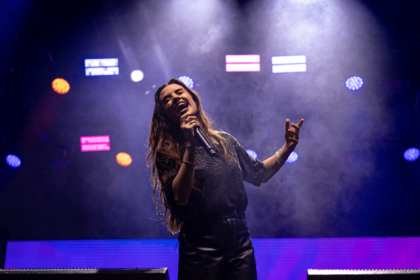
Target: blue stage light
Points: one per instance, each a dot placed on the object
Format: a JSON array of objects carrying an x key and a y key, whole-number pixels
[
  {"x": 293, "y": 157},
  {"x": 13, "y": 161},
  {"x": 187, "y": 81},
  {"x": 411, "y": 154},
  {"x": 354, "y": 83},
  {"x": 252, "y": 153}
]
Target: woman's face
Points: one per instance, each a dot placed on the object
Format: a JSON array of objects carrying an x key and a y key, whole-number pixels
[{"x": 177, "y": 101}]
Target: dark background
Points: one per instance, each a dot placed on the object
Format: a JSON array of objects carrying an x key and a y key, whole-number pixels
[{"x": 351, "y": 179}]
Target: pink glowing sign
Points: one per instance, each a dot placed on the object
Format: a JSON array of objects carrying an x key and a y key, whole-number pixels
[
  {"x": 95, "y": 143},
  {"x": 243, "y": 63}
]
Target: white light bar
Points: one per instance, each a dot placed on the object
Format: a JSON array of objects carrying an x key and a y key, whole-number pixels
[
  {"x": 288, "y": 64},
  {"x": 247, "y": 58},
  {"x": 101, "y": 67},
  {"x": 102, "y": 71},
  {"x": 289, "y": 68},
  {"x": 290, "y": 59},
  {"x": 101, "y": 62},
  {"x": 242, "y": 68},
  {"x": 243, "y": 63}
]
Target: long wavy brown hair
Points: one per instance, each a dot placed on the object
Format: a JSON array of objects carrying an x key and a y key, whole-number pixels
[{"x": 165, "y": 151}]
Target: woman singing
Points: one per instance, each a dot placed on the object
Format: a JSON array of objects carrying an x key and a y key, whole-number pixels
[{"x": 203, "y": 196}]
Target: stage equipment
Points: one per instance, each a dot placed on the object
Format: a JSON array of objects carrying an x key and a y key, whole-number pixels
[
  {"x": 354, "y": 83},
  {"x": 13, "y": 161},
  {"x": 95, "y": 143},
  {"x": 411, "y": 154},
  {"x": 288, "y": 64},
  {"x": 85, "y": 274},
  {"x": 252, "y": 153},
  {"x": 243, "y": 63},
  {"x": 293, "y": 157},
  {"x": 363, "y": 274},
  {"x": 137, "y": 76},
  {"x": 187, "y": 81},
  {"x": 60, "y": 86},
  {"x": 101, "y": 67},
  {"x": 124, "y": 159}
]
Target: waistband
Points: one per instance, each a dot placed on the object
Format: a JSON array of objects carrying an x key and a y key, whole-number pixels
[{"x": 233, "y": 213}]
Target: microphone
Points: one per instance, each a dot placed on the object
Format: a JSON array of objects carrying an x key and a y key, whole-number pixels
[{"x": 203, "y": 140}]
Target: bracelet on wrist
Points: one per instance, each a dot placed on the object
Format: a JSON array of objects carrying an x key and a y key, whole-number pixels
[
  {"x": 278, "y": 159},
  {"x": 187, "y": 162}
]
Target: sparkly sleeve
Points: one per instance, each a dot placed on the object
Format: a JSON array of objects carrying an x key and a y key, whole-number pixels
[
  {"x": 252, "y": 169},
  {"x": 166, "y": 177}
]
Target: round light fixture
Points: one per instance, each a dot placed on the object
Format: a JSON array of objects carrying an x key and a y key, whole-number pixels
[
  {"x": 293, "y": 157},
  {"x": 124, "y": 159},
  {"x": 411, "y": 154},
  {"x": 252, "y": 153},
  {"x": 354, "y": 83},
  {"x": 137, "y": 76},
  {"x": 13, "y": 161},
  {"x": 60, "y": 86},
  {"x": 187, "y": 81}
]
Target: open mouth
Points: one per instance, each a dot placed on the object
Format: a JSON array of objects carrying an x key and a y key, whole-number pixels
[{"x": 182, "y": 106}]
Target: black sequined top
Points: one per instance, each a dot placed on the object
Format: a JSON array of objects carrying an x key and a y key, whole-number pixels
[{"x": 219, "y": 182}]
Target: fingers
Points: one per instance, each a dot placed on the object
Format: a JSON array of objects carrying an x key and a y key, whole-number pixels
[
  {"x": 191, "y": 122},
  {"x": 300, "y": 123},
  {"x": 186, "y": 116},
  {"x": 287, "y": 125},
  {"x": 294, "y": 133}
]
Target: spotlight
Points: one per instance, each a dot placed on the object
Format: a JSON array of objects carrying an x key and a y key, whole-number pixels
[
  {"x": 252, "y": 153},
  {"x": 137, "y": 76},
  {"x": 187, "y": 81},
  {"x": 354, "y": 83},
  {"x": 293, "y": 157},
  {"x": 288, "y": 64},
  {"x": 95, "y": 143},
  {"x": 101, "y": 67},
  {"x": 411, "y": 154},
  {"x": 13, "y": 161},
  {"x": 243, "y": 63},
  {"x": 124, "y": 159},
  {"x": 60, "y": 86}
]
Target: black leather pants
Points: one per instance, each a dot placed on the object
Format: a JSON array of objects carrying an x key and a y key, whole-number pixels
[{"x": 216, "y": 247}]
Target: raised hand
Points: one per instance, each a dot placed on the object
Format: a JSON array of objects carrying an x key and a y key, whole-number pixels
[
  {"x": 292, "y": 133},
  {"x": 188, "y": 123}
]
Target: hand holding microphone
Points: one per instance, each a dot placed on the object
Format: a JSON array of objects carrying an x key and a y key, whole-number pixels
[{"x": 191, "y": 128}]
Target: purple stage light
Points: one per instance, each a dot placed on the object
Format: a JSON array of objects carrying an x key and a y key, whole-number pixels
[
  {"x": 354, "y": 83},
  {"x": 411, "y": 154},
  {"x": 187, "y": 81},
  {"x": 13, "y": 161},
  {"x": 95, "y": 143},
  {"x": 277, "y": 258},
  {"x": 293, "y": 157},
  {"x": 252, "y": 153}
]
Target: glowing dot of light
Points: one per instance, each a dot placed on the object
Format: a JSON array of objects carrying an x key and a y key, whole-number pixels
[
  {"x": 13, "y": 161},
  {"x": 354, "y": 83},
  {"x": 411, "y": 154},
  {"x": 137, "y": 76},
  {"x": 60, "y": 86},
  {"x": 187, "y": 81},
  {"x": 124, "y": 159},
  {"x": 252, "y": 153},
  {"x": 293, "y": 157}
]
